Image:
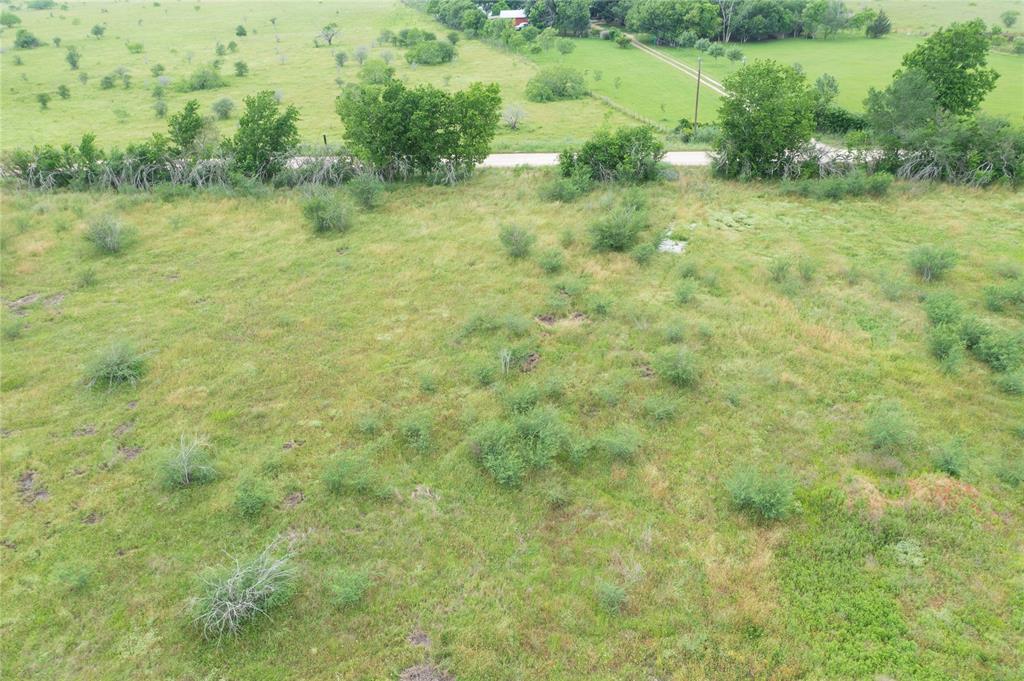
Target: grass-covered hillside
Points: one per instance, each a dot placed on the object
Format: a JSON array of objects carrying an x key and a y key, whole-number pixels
[{"x": 781, "y": 454}]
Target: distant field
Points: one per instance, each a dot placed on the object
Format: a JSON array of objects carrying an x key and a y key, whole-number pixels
[
  {"x": 927, "y": 15},
  {"x": 174, "y": 33},
  {"x": 627, "y": 561}
]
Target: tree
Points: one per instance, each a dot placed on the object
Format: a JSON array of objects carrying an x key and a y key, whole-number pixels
[
  {"x": 826, "y": 88},
  {"x": 702, "y": 45},
  {"x": 327, "y": 34},
  {"x": 420, "y": 130},
  {"x": 361, "y": 53},
  {"x": 241, "y": 69},
  {"x": 340, "y": 58},
  {"x": 666, "y": 19},
  {"x": 63, "y": 91},
  {"x": 1009, "y": 18},
  {"x": 223, "y": 108},
  {"x": 728, "y": 8},
  {"x": 766, "y": 120},
  {"x": 453, "y": 37},
  {"x": 24, "y": 40},
  {"x": 572, "y": 17},
  {"x": 431, "y": 52},
  {"x": 716, "y": 50},
  {"x": 825, "y": 18},
  {"x": 98, "y": 30},
  {"x": 264, "y": 135},
  {"x": 185, "y": 127},
  {"x": 240, "y": 31},
  {"x": 565, "y": 46},
  {"x": 513, "y": 115},
  {"x": 954, "y": 59},
  {"x": 9, "y": 19},
  {"x": 44, "y": 100},
  {"x": 376, "y": 72},
  {"x": 72, "y": 57},
  {"x": 879, "y": 27},
  {"x": 902, "y": 112},
  {"x": 554, "y": 83},
  {"x": 735, "y": 54},
  {"x": 623, "y": 40},
  {"x": 472, "y": 20}
]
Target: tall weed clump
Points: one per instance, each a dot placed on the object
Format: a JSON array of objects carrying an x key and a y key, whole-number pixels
[
  {"x": 108, "y": 236},
  {"x": 766, "y": 497},
  {"x": 510, "y": 450},
  {"x": 187, "y": 464},
  {"x": 120, "y": 364},
  {"x": 932, "y": 263},
  {"x": 326, "y": 213},
  {"x": 516, "y": 241}
]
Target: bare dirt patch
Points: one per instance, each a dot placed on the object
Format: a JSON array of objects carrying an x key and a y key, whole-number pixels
[
  {"x": 129, "y": 452},
  {"x": 940, "y": 491},
  {"x": 55, "y": 300},
  {"x": 293, "y": 499},
  {"x": 418, "y": 637},
  {"x": 424, "y": 492},
  {"x": 31, "y": 488},
  {"x": 92, "y": 518},
  {"x": 530, "y": 363},
  {"x": 292, "y": 444},
  {"x": 83, "y": 431},
  {"x": 18, "y": 305},
  {"x": 425, "y": 672},
  {"x": 123, "y": 428},
  {"x": 547, "y": 319}
]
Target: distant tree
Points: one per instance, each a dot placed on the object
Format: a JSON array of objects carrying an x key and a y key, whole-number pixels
[
  {"x": 72, "y": 57},
  {"x": 44, "y": 100},
  {"x": 766, "y": 120},
  {"x": 160, "y": 108},
  {"x": 98, "y": 30},
  {"x": 24, "y": 40},
  {"x": 825, "y": 18},
  {"x": 472, "y": 20},
  {"x": 717, "y": 50},
  {"x": 430, "y": 52},
  {"x": 735, "y": 54},
  {"x": 157, "y": 70},
  {"x": 907, "y": 106},
  {"x": 686, "y": 39},
  {"x": 826, "y": 88},
  {"x": 240, "y": 31},
  {"x": 56, "y": 41},
  {"x": 453, "y": 37},
  {"x": 265, "y": 134},
  {"x": 513, "y": 115},
  {"x": 9, "y": 19},
  {"x": 565, "y": 46},
  {"x": 361, "y": 53},
  {"x": 185, "y": 127},
  {"x": 666, "y": 19},
  {"x": 220, "y": 50},
  {"x": 63, "y": 91},
  {"x": 386, "y": 37},
  {"x": 340, "y": 58},
  {"x": 222, "y": 108},
  {"x": 954, "y": 60},
  {"x": 572, "y": 17},
  {"x": 623, "y": 41},
  {"x": 554, "y": 83},
  {"x": 879, "y": 27},
  {"x": 376, "y": 72},
  {"x": 232, "y": 46},
  {"x": 241, "y": 69},
  {"x": 387, "y": 56},
  {"x": 1009, "y": 18},
  {"x": 702, "y": 45},
  {"x": 327, "y": 33}
]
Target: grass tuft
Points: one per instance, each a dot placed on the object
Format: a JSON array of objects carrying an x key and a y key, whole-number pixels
[
  {"x": 120, "y": 364},
  {"x": 766, "y": 497},
  {"x": 187, "y": 465}
]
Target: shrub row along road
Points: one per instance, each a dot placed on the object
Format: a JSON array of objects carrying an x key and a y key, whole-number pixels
[{"x": 676, "y": 158}]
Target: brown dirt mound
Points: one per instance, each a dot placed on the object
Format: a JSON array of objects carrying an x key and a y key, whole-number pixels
[
  {"x": 940, "y": 491},
  {"x": 425, "y": 672}
]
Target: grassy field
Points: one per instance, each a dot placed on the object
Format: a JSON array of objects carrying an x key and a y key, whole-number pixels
[
  {"x": 927, "y": 15},
  {"x": 183, "y": 36},
  {"x": 285, "y": 349}
]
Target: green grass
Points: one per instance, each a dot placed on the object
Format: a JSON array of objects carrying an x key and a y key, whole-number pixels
[
  {"x": 285, "y": 349},
  {"x": 174, "y": 32}
]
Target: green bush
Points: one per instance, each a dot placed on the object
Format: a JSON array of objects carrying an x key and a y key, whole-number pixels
[
  {"x": 348, "y": 587},
  {"x": 108, "y": 235},
  {"x": 618, "y": 229},
  {"x": 951, "y": 459},
  {"x": 643, "y": 253},
  {"x": 234, "y": 595},
  {"x": 611, "y": 597},
  {"x": 931, "y": 263},
  {"x": 1012, "y": 383},
  {"x": 551, "y": 261},
  {"x": 1001, "y": 350},
  {"x": 764, "y": 496},
  {"x": 678, "y": 366},
  {"x": 350, "y": 474},
  {"x": 416, "y": 432},
  {"x": 367, "y": 189},
  {"x": 516, "y": 241},
  {"x": 326, "y": 213},
  {"x": 566, "y": 189},
  {"x": 206, "y": 77},
  {"x": 553, "y": 83},
  {"x": 947, "y": 346},
  {"x": 856, "y": 183},
  {"x": 223, "y": 108},
  {"x": 251, "y": 497},
  {"x": 999, "y": 298},
  {"x": 619, "y": 444},
  {"x": 187, "y": 464},
  {"x": 509, "y": 450},
  {"x": 430, "y": 52},
  {"x": 943, "y": 308},
  {"x": 628, "y": 154},
  {"x": 888, "y": 428},
  {"x": 120, "y": 364}
]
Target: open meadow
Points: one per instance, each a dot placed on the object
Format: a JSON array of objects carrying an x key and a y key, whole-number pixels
[{"x": 347, "y": 388}]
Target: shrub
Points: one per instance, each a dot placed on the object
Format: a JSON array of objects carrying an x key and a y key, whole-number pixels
[
  {"x": 430, "y": 52},
  {"x": 232, "y": 596},
  {"x": 206, "y": 77},
  {"x": 265, "y": 134},
  {"x": 516, "y": 241},
  {"x": 947, "y": 346},
  {"x": 521, "y": 399},
  {"x": 367, "y": 189},
  {"x": 834, "y": 188},
  {"x": 999, "y": 298},
  {"x": 766, "y": 497},
  {"x": 24, "y": 40},
  {"x": 241, "y": 69},
  {"x": 943, "y": 308},
  {"x": 376, "y": 72},
  {"x": 326, "y": 213},
  {"x": 160, "y": 108},
  {"x": 108, "y": 235},
  {"x": 509, "y": 450},
  {"x": 931, "y": 263},
  {"x": 678, "y": 366},
  {"x": 628, "y": 154},
  {"x": 620, "y": 444},
  {"x": 888, "y": 428},
  {"x": 619, "y": 229},
  {"x": 348, "y": 587},
  {"x": 188, "y": 464},
  {"x": 348, "y": 474},
  {"x": 658, "y": 408},
  {"x": 566, "y": 189},
  {"x": 416, "y": 433},
  {"x": 951, "y": 459},
  {"x": 551, "y": 261},
  {"x": 1012, "y": 383},
  {"x": 223, "y": 108},
  {"x": 240, "y": 31},
  {"x": 554, "y": 83},
  {"x": 611, "y": 597},
  {"x": 643, "y": 253},
  {"x": 1001, "y": 350},
  {"x": 685, "y": 291},
  {"x": 120, "y": 364},
  {"x": 251, "y": 498}
]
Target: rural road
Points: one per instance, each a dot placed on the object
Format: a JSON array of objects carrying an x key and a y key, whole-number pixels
[{"x": 675, "y": 158}]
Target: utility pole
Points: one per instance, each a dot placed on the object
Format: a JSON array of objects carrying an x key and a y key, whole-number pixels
[{"x": 696, "y": 101}]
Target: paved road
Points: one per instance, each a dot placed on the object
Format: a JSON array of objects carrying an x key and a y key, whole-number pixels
[{"x": 676, "y": 158}]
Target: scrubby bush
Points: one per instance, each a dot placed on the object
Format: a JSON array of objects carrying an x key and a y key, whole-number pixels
[
  {"x": 951, "y": 459},
  {"x": 834, "y": 188},
  {"x": 24, "y": 40},
  {"x": 888, "y": 428},
  {"x": 430, "y": 52},
  {"x": 251, "y": 497},
  {"x": 678, "y": 366},
  {"x": 764, "y": 496},
  {"x": 554, "y": 83},
  {"x": 206, "y": 77},
  {"x": 947, "y": 346},
  {"x": 265, "y": 135},
  {"x": 223, "y": 108},
  {"x": 1001, "y": 350},
  {"x": 233, "y": 596},
  {"x": 367, "y": 189},
  {"x": 119, "y": 364},
  {"x": 241, "y": 69},
  {"x": 566, "y": 189},
  {"x": 999, "y": 298},
  {"x": 326, "y": 213},
  {"x": 348, "y": 587},
  {"x": 350, "y": 474},
  {"x": 417, "y": 433},
  {"x": 1011, "y": 383},
  {"x": 619, "y": 444},
  {"x": 931, "y": 263},
  {"x": 508, "y": 450},
  {"x": 551, "y": 261},
  {"x": 629, "y": 154},
  {"x": 618, "y": 229},
  {"x": 943, "y": 308},
  {"x": 643, "y": 253},
  {"x": 187, "y": 464},
  {"x": 516, "y": 241}
]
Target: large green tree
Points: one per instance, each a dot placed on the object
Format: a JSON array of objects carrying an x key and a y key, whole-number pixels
[
  {"x": 422, "y": 129},
  {"x": 265, "y": 134},
  {"x": 954, "y": 60},
  {"x": 766, "y": 120},
  {"x": 666, "y": 19}
]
